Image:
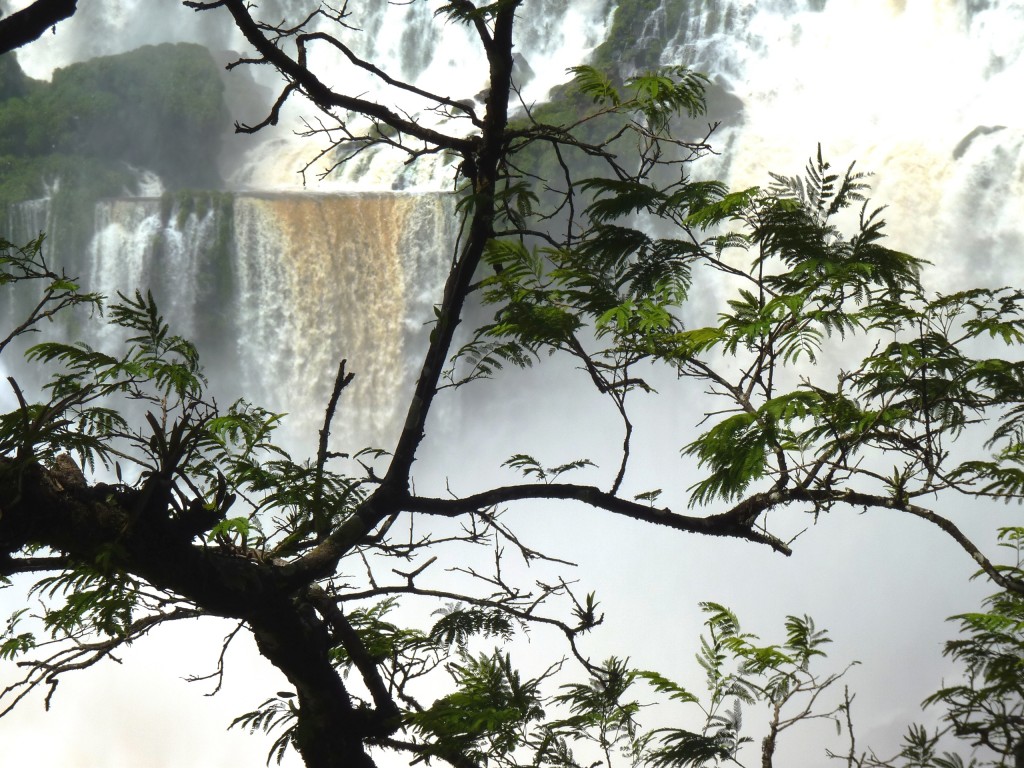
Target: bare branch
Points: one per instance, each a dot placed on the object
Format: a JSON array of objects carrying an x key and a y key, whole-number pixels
[
  {"x": 735, "y": 524},
  {"x": 74, "y": 655},
  {"x": 299, "y": 76}
]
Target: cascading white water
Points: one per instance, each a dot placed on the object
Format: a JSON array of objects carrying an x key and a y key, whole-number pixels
[
  {"x": 919, "y": 92},
  {"x": 121, "y": 252},
  {"x": 27, "y": 221},
  {"x": 305, "y": 279},
  {"x": 306, "y": 257},
  {"x": 899, "y": 86},
  {"x": 325, "y": 277}
]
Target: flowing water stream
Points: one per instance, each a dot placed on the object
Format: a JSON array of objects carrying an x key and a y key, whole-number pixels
[{"x": 923, "y": 94}]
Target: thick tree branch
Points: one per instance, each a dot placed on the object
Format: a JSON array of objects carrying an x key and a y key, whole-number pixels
[
  {"x": 386, "y": 78},
  {"x": 86, "y": 521},
  {"x": 738, "y": 523},
  {"x": 357, "y": 651},
  {"x": 945, "y": 524},
  {"x": 30, "y": 23},
  {"x": 754, "y": 505},
  {"x": 12, "y": 565},
  {"x": 481, "y": 230},
  {"x": 391, "y": 495}
]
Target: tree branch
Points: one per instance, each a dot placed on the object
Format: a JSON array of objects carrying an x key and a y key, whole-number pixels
[
  {"x": 30, "y": 23},
  {"x": 319, "y": 93},
  {"x": 734, "y": 524}
]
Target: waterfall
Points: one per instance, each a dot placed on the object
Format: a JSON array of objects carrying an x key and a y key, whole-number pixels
[
  {"x": 919, "y": 93},
  {"x": 336, "y": 276},
  {"x": 320, "y": 278},
  {"x": 277, "y": 281},
  {"x": 276, "y": 289}
]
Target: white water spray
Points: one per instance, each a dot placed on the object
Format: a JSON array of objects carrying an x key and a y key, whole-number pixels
[{"x": 899, "y": 86}]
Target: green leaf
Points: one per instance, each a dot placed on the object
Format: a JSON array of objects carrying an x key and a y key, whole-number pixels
[
  {"x": 735, "y": 450},
  {"x": 233, "y": 525},
  {"x": 663, "y": 685},
  {"x": 595, "y": 84},
  {"x": 456, "y": 626},
  {"x": 649, "y": 496}
]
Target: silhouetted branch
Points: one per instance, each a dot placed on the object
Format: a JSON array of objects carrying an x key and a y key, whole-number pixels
[
  {"x": 731, "y": 524},
  {"x": 77, "y": 656},
  {"x": 301, "y": 77},
  {"x": 30, "y": 23}
]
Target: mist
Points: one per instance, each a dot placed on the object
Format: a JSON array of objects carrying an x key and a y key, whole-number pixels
[{"x": 900, "y": 88}]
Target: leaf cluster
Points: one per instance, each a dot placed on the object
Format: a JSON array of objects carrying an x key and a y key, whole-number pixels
[
  {"x": 276, "y": 715},
  {"x": 486, "y": 716},
  {"x": 986, "y": 709}
]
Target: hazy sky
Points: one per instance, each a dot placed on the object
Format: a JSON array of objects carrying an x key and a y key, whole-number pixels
[{"x": 895, "y": 86}]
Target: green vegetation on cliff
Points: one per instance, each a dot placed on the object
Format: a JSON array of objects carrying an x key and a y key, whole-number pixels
[
  {"x": 629, "y": 24},
  {"x": 159, "y": 107},
  {"x": 13, "y": 80},
  {"x": 85, "y": 135}
]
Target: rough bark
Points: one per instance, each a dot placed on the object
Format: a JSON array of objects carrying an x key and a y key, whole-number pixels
[{"x": 82, "y": 521}]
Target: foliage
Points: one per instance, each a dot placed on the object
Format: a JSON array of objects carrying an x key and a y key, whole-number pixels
[
  {"x": 984, "y": 712},
  {"x": 987, "y": 707},
  {"x": 612, "y": 301},
  {"x": 485, "y": 717},
  {"x": 159, "y": 107},
  {"x": 602, "y": 718},
  {"x": 210, "y": 516},
  {"x": 275, "y": 715},
  {"x": 740, "y": 673},
  {"x": 595, "y": 115},
  {"x": 13, "y": 80},
  {"x": 26, "y": 267}
]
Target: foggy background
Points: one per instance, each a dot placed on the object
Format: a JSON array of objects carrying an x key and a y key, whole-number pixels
[{"x": 897, "y": 87}]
